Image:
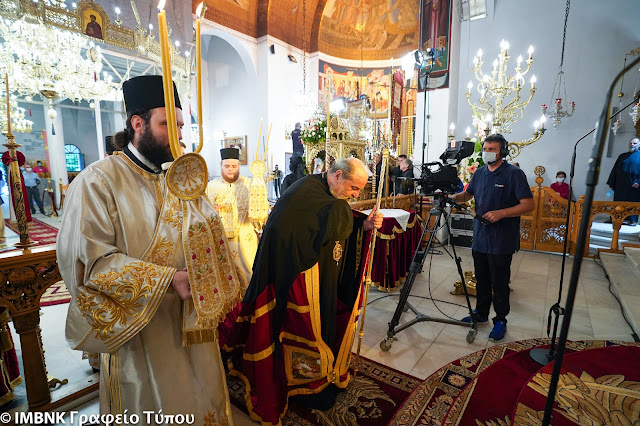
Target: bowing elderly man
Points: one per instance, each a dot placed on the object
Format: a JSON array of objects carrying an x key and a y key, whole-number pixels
[{"x": 297, "y": 322}]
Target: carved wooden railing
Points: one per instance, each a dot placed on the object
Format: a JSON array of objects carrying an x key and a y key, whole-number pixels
[
  {"x": 617, "y": 210},
  {"x": 24, "y": 277},
  {"x": 406, "y": 202},
  {"x": 544, "y": 228}
]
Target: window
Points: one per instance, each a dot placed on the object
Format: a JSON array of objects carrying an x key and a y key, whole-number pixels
[{"x": 74, "y": 158}]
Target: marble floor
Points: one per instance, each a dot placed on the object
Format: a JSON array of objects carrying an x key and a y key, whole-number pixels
[{"x": 425, "y": 347}]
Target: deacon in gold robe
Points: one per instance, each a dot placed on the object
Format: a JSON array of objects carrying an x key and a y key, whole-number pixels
[
  {"x": 230, "y": 196},
  {"x": 120, "y": 253}
]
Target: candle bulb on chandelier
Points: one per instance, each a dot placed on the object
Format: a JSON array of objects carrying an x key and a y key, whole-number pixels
[
  {"x": 118, "y": 21},
  {"x": 533, "y": 82},
  {"x": 452, "y": 128},
  {"x": 469, "y": 87},
  {"x": 468, "y": 132},
  {"x": 530, "y": 51}
]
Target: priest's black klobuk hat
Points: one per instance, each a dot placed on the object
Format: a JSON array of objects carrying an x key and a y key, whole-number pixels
[
  {"x": 230, "y": 154},
  {"x": 145, "y": 92}
]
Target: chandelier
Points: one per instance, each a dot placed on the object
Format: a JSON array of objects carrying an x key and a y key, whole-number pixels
[
  {"x": 18, "y": 121},
  {"x": 500, "y": 105},
  {"x": 305, "y": 103},
  {"x": 39, "y": 58},
  {"x": 560, "y": 109}
]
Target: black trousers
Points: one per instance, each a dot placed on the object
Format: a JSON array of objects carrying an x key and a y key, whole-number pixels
[
  {"x": 493, "y": 272},
  {"x": 276, "y": 186},
  {"x": 34, "y": 194}
]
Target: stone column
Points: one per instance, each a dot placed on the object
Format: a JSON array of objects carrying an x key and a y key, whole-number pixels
[
  {"x": 55, "y": 146},
  {"x": 98, "y": 118}
]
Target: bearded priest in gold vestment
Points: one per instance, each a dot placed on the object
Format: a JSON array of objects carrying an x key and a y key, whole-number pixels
[
  {"x": 121, "y": 254},
  {"x": 230, "y": 197}
]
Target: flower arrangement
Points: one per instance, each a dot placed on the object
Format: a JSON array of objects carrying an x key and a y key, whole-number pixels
[
  {"x": 315, "y": 130},
  {"x": 469, "y": 165}
]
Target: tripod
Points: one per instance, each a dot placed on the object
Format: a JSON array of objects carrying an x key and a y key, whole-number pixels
[{"x": 419, "y": 257}]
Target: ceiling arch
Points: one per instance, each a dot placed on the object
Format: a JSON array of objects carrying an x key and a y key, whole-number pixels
[{"x": 349, "y": 29}]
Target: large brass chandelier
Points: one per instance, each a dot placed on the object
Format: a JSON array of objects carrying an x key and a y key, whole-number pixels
[
  {"x": 40, "y": 58},
  {"x": 500, "y": 104},
  {"x": 18, "y": 121}
]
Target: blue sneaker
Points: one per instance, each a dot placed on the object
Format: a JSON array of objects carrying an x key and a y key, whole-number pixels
[
  {"x": 479, "y": 318},
  {"x": 498, "y": 332}
]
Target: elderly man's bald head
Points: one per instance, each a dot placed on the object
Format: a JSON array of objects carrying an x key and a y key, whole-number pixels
[{"x": 347, "y": 177}]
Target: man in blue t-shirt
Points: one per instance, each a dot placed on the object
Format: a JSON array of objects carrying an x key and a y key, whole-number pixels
[{"x": 502, "y": 195}]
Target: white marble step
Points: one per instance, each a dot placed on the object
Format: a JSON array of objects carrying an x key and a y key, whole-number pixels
[
  {"x": 606, "y": 241},
  {"x": 625, "y": 280},
  {"x": 633, "y": 254},
  {"x": 627, "y": 232}
]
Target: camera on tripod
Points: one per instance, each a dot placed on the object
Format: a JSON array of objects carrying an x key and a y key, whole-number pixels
[{"x": 444, "y": 176}]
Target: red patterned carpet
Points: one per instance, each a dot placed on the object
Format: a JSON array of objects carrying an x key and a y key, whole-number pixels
[
  {"x": 41, "y": 232},
  {"x": 369, "y": 400},
  {"x": 55, "y": 295},
  {"x": 501, "y": 385}
]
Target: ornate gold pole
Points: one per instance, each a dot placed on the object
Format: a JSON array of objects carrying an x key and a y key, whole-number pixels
[
  {"x": 328, "y": 132},
  {"x": 18, "y": 196},
  {"x": 372, "y": 247}
]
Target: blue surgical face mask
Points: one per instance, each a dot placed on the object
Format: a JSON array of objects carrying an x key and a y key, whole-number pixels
[{"x": 489, "y": 157}]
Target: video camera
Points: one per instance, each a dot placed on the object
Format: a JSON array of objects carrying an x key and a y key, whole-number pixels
[{"x": 444, "y": 176}]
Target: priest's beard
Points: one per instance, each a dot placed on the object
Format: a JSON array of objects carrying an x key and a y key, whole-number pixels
[
  {"x": 153, "y": 150},
  {"x": 231, "y": 179}
]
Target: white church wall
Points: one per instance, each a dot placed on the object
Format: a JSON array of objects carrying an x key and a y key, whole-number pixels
[
  {"x": 599, "y": 34},
  {"x": 230, "y": 104}
]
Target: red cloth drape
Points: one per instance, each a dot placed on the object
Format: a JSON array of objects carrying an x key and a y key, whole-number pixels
[{"x": 394, "y": 252}]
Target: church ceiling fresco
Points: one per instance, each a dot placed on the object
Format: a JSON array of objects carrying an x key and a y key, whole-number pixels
[
  {"x": 380, "y": 28},
  {"x": 350, "y": 29}
]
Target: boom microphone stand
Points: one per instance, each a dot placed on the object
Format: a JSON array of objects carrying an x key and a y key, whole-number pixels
[
  {"x": 593, "y": 172},
  {"x": 541, "y": 355}
]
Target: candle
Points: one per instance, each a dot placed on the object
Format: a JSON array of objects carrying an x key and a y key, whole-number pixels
[
  {"x": 167, "y": 82},
  {"x": 533, "y": 81},
  {"x": 268, "y": 137},
  {"x": 468, "y": 132},
  {"x": 259, "y": 136},
  {"x": 6, "y": 83},
  {"x": 199, "y": 75},
  {"x": 452, "y": 127},
  {"x": 118, "y": 15}
]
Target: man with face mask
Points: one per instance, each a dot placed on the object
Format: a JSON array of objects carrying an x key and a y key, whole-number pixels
[
  {"x": 624, "y": 179},
  {"x": 502, "y": 195},
  {"x": 121, "y": 253},
  {"x": 298, "y": 317},
  {"x": 31, "y": 181},
  {"x": 229, "y": 194},
  {"x": 40, "y": 169},
  {"x": 560, "y": 186}
]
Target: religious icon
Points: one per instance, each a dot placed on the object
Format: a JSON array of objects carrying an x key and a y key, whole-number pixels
[
  {"x": 92, "y": 22},
  {"x": 240, "y": 143}
]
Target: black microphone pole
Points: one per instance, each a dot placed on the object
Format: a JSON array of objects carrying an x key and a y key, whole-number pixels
[
  {"x": 602, "y": 128},
  {"x": 541, "y": 355}
]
